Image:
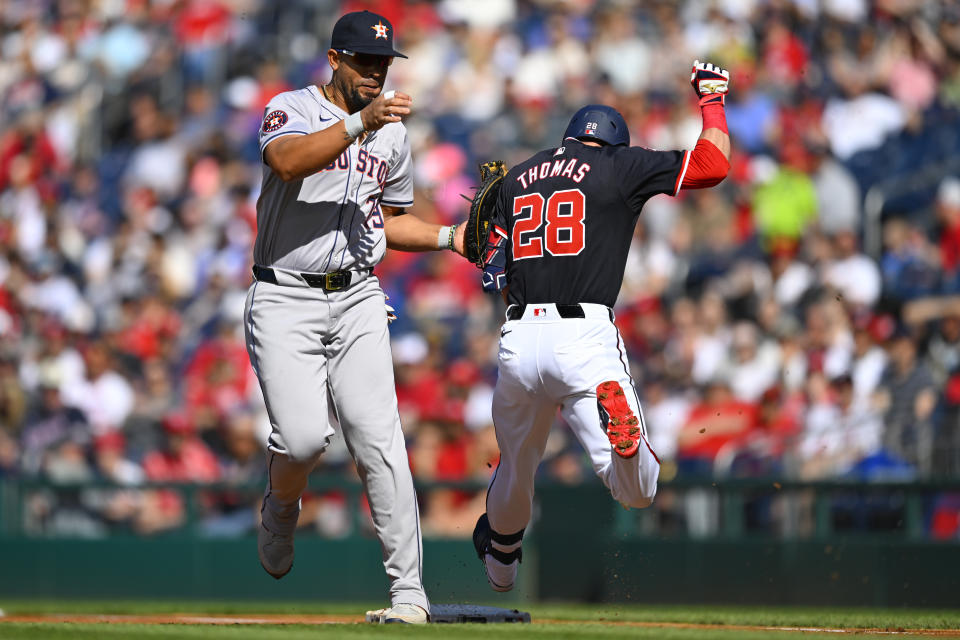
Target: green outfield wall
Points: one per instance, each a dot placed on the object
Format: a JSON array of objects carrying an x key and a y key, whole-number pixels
[{"x": 582, "y": 547}]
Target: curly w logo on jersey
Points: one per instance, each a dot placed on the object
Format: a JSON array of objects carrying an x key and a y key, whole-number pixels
[{"x": 274, "y": 120}]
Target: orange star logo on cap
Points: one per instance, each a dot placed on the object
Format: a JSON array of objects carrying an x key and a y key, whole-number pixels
[{"x": 381, "y": 30}]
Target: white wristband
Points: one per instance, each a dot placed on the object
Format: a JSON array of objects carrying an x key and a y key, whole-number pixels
[
  {"x": 354, "y": 124},
  {"x": 443, "y": 238}
]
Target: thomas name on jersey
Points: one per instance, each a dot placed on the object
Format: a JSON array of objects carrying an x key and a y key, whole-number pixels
[
  {"x": 563, "y": 168},
  {"x": 366, "y": 163}
]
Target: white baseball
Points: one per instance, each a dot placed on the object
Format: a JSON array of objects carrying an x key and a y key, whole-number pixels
[{"x": 389, "y": 94}]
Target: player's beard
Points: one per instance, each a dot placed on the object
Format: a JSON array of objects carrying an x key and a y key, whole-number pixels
[
  {"x": 351, "y": 93},
  {"x": 355, "y": 101}
]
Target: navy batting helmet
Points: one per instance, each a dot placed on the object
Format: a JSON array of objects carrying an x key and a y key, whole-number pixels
[{"x": 598, "y": 122}]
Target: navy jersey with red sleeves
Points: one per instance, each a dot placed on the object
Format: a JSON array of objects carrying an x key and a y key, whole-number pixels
[{"x": 566, "y": 217}]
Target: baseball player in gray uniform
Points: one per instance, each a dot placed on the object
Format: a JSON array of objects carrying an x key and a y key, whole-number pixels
[{"x": 336, "y": 179}]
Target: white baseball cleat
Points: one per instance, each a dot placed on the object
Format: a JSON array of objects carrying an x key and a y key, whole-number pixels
[
  {"x": 275, "y": 541},
  {"x": 500, "y": 576},
  {"x": 399, "y": 614}
]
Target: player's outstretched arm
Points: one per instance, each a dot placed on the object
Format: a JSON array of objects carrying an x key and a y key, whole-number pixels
[
  {"x": 709, "y": 161},
  {"x": 407, "y": 232},
  {"x": 296, "y": 157}
]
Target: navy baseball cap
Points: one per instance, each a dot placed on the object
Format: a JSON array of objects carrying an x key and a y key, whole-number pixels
[{"x": 364, "y": 32}]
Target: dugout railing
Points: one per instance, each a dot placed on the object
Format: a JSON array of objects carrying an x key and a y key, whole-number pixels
[{"x": 687, "y": 507}]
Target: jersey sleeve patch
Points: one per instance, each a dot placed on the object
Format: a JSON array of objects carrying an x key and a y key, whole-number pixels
[{"x": 274, "y": 120}]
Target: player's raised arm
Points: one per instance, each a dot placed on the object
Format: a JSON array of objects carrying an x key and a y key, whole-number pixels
[
  {"x": 294, "y": 157},
  {"x": 709, "y": 162}
]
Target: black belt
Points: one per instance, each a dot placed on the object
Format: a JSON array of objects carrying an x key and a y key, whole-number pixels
[
  {"x": 334, "y": 281},
  {"x": 515, "y": 312}
]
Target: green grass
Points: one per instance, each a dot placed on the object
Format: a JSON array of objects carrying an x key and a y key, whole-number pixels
[
  {"x": 704, "y": 614},
  {"x": 585, "y": 621},
  {"x": 847, "y": 617},
  {"x": 297, "y": 632}
]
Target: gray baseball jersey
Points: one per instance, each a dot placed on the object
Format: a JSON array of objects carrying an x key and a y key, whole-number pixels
[
  {"x": 330, "y": 220},
  {"x": 319, "y": 352}
]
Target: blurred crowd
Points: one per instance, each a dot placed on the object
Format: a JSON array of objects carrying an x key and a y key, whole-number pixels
[{"x": 801, "y": 320}]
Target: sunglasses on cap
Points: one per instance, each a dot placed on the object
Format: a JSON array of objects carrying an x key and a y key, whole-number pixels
[{"x": 368, "y": 59}]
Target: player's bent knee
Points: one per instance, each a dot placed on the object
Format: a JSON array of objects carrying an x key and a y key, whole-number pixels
[
  {"x": 638, "y": 498},
  {"x": 306, "y": 449},
  {"x": 640, "y": 502}
]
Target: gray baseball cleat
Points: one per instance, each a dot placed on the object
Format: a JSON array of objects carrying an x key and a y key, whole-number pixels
[
  {"x": 399, "y": 614},
  {"x": 275, "y": 544},
  {"x": 500, "y": 566},
  {"x": 275, "y": 551}
]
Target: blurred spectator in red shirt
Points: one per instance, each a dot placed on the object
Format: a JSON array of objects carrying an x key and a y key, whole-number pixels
[
  {"x": 202, "y": 23},
  {"x": 202, "y": 28},
  {"x": 760, "y": 451},
  {"x": 443, "y": 451},
  {"x": 779, "y": 415},
  {"x": 444, "y": 291},
  {"x": 784, "y": 56},
  {"x": 218, "y": 376},
  {"x": 715, "y": 421},
  {"x": 948, "y": 214},
  {"x": 417, "y": 379},
  {"x": 29, "y": 140},
  {"x": 152, "y": 327},
  {"x": 184, "y": 458}
]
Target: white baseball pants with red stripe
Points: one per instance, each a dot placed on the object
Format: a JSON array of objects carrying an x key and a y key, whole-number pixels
[{"x": 546, "y": 362}]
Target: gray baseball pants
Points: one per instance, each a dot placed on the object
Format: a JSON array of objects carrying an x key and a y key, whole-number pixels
[{"x": 311, "y": 348}]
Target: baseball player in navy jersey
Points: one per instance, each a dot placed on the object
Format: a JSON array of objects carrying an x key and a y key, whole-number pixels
[
  {"x": 336, "y": 179},
  {"x": 557, "y": 250}
]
